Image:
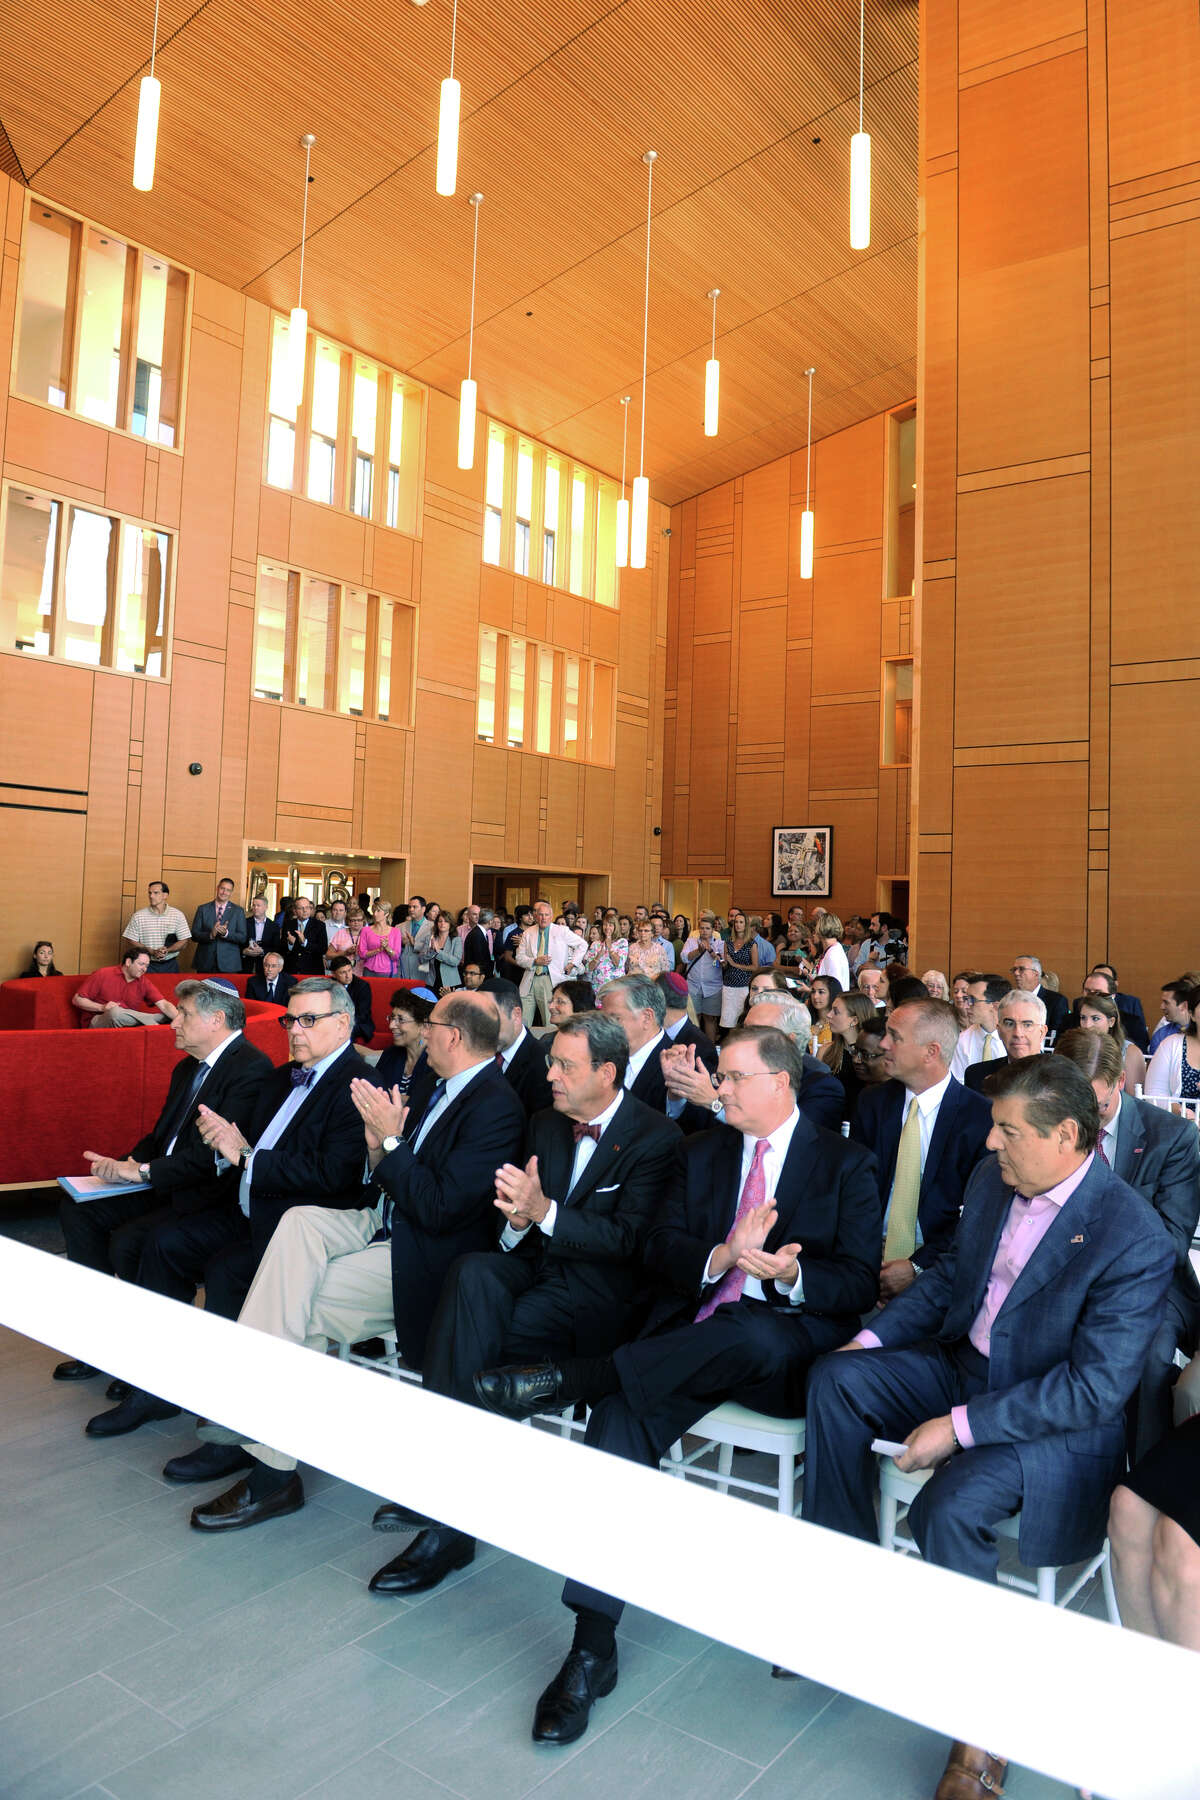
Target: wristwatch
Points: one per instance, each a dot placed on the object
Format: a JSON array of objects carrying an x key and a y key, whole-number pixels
[
  {"x": 144, "y": 1171},
  {"x": 717, "y": 1106},
  {"x": 390, "y": 1144}
]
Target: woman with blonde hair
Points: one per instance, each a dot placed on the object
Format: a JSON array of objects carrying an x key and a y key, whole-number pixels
[
  {"x": 827, "y": 928},
  {"x": 739, "y": 963},
  {"x": 936, "y": 985},
  {"x": 379, "y": 943}
]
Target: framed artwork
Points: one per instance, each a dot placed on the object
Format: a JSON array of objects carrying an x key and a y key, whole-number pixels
[{"x": 801, "y": 861}]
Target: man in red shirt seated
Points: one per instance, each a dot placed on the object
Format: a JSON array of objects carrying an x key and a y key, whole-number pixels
[{"x": 123, "y": 995}]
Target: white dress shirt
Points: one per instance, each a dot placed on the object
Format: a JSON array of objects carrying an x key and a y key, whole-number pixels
[
  {"x": 970, "y": 1049},
  {"x": 585, "y": 1149},
  {"x": 210, "y": 1063},
  {"x": 928, "y": 1105},
  {"x": 639, "y": 1058},
  {"x": 454, "y": 1087},
  {"x": 778, "y": 1145},
  {"x": 506, "y": 1056}
]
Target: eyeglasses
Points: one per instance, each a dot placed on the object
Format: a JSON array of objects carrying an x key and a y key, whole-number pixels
[
  {"x": 867, "y": 1056},
  {"x": 305, "y": 1021},
  {"x": 737, "y": 1075},
  {"x": 400, "y": 1018}
]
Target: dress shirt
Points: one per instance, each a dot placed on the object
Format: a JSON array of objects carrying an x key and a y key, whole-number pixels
[
  {"x": 276, "y": 1126},
  {"x": 766, "y": 951},
  {"x": 674, "y": 1030},
  {"x": 454, "y": 1087},
  {"x": 639, "y": 1058},
  {"x": 1164, "y": 1030},
  {"x": 969, "y": 1049},
  {"x": 585, "y": 1149},
  {"x": 704, "y": 972},
  {"x": 834, "y": 962},
  {"x": 210, "y": 1063},
  {"x": 776, "y": 1155},
  {"x": 152, "y": 929},
  {"x": 929, "y": 1102},
  {"x": 506, "y": 1056},
  {"x": 255, "y": 928}
]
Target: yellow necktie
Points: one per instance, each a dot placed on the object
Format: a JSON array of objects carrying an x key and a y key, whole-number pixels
[
  {"x": 989, "y": 1049},
  {"x": 901, "y": 1237}
]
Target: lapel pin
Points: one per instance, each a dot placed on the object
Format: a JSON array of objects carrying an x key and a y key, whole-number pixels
[
  {"x": 1078, "y": 1239},
  {"x": 1138, "y": 1148}
]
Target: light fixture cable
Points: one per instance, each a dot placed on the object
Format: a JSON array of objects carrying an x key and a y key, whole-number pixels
[
  {"x": 468, "y": 392},
  {"x": 640, "y": 510}
]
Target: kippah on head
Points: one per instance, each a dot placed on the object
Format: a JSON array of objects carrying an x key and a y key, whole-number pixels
[
  {"x": 222, "y": 987},
  {"x": 424, "y": 993},
  {"x": 678, "y": 983}
]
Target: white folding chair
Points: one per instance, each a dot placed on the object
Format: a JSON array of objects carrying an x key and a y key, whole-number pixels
[
  {"x": 387, "y": 1364},
  {"x": 731, "y": 1427}
]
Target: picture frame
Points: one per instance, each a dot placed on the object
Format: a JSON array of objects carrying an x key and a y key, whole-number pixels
[{"x": 801, "y": 862}]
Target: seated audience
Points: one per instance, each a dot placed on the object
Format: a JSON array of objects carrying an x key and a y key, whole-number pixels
[
  {"x": 1175, "y": 1066},
  {"x": 903, "y": 988},
  {"x": 867, "y": 1053},
  {"x": 522, "y": 1056},
  {"x": 474, "y": 976},
  {"x": 677, "y": 1025},
  {"x": 273, "y": 984},
  {"x": 774, "y": 980},
  {"x": 701, "y": 961},
  {"x": 1028, "y": 977},
  {"x": 343, "y": 1274},
  {"x": 123, "y": 995},
  {"x": 570, "y": 1279},
  {"x": 570, "y": 998},
  {"x": 1098, "y": 1013},
  {"x": 936, "y": 985},
  {"x": 1159, "y": 1156},
  {"x": 1021, "y": 1023},
  {"x": 926, "y": 1133},
  {"x": 960, "y": 998},
  {"x": 638, "y": 1006},
  {"x": 404, "y": 1062},
  {"x": 41, "y": 962},
  {"x": 873, "y": 983},
  {"x": 765, "y": 1257},
  {"x": 1006, "y": 1368},
  {"x": 1173, "y": 1006},
  {"x": 847, "y": 1015},
  {"x": 1154, "y": 1531},
  {"x": 981, "y": 1041},
  {"x": 1102, "y": 983},
  {"x": 1129, "y": 1004},
  {"x": 819, "y": 1098},
  {"x": 822, "y": 994},
  {"x": 159, "y": 928},
  {"x": 341, "y": 970},
  {"x": 219, "y": 932}
]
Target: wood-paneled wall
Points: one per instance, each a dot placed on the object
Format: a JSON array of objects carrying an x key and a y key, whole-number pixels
[
  {"x": 98, "y": 800},
  {"x": 773, "y": 683},
  {"x": 1057, "y": 627}
]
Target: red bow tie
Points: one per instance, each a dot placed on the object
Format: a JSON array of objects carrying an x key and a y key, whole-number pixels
[{"x": 582, "y": 1131}]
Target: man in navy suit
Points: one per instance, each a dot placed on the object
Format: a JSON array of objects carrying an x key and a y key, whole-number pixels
[
  {"x": 1006, "y": 1368},
  {"x": 821, "y": 1097},
  {"x": 522, "y": 1056},
  {"x": 679, "y": 1027},
  {"x": 924, "y": 1162},
  {"x": 272, "y": 983},
  {"x": 1027, "y": 973},
  {"x": 219, "y": 932},
  {"x": 636, "y": 1003},
  {"x": 766, "y": 1254},
  {"x": 1021, "y": 1022}
]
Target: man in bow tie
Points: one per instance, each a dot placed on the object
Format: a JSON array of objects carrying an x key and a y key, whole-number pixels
[{"x": 569, "y": 1280}]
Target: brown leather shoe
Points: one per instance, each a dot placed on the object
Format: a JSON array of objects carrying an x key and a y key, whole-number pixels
[{"x": 971, "y": 1774}]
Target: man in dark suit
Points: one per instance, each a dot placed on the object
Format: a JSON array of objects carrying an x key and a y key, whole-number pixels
[
  {"x": 1006, "y": 1368},
  {"x": 479, "y": 945},
  {"x": 570, "y": 1280},
  {"x": 332, "y": 1273},
  {"x": 679, "y": 1027},
  {"x": 926, "y": 1132},
  {"x": 341, "y": 970},
  {"x": 1021, "y": 1023},
  {"x": 523, "y": 1057},
  {"x": 271, "y": 983},
  {"x": 219, "y": 933},
  {"x": 636, "y": 1003},
  {"x": 1158, "y": 1155},
  {"x": 689, "y": 1083},
  {"x": 765, "y": 1252},
  {"x": 262, "y": 936},
  {"x": 1128, "y": 1004},
  {"x": 177, "y": 1175},
  {"x": 1026, "y": 974},
  {"x": 304, "y": 941}
]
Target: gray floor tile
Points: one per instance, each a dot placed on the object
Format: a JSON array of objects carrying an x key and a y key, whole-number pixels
[
  {"x": 656, "y": 1633},
  {"x": 376, "y": 1777},
  {"x": 46, "y": 1504},
  {"x": 640, "y": 1757},
  {"x": 61, "y": 1644},
  {"x": 249, "y": 1647},
  {"x": 288, "y": 1738},
  {"x": 79, "y": 1735},
  {"x": 479, "y": 1744},
  {"x": 88, "y": 1555},
  {"x": 730, "y": 1700}
]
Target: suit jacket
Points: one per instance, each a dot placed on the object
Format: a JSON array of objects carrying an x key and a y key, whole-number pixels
[
  {"x": 222, "y": 954},
  {"x": 364, "y": 1025},
  {"x": 963, "y": 1122},
  {"x": 650, "y": 1087},
  {"x": 976, "y": 1074},
  {"x": 564, "y": 947},
  {"x": 706, "y": 1050},
  {"x": 1158, "y": 1155},
  {"x": 821, "y": 1099},
  {"x": 828, "y": 1202},
  {"x": 321, "y": 1158},
  {"x": 256, "y": 987},
  {"x": 602, "y": 1222},
  {"x": 443, "y": 1197},
  {"x": 268, "y": 941},
  {"x": 1135, "y": 1019},
  {"x": 389, "y": 1071},
  {"x": 307, "y": 957},
  {"x": 527, "y": 1076},
  {"x": 1058, "y": 1009},
  {"x": 477, "y": 950},
  {"x": 187, "y": 1180},
  {"x": 1067, "y": 1346}
]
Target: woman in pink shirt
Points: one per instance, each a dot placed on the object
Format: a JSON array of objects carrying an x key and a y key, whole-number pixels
[{"x": 379, "y": 942}]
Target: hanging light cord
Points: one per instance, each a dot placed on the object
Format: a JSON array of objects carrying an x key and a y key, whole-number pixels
[
  {"x": 474, "y": 264},
  {"x": 808, "y": 469},
  {"x": 624, "y": 441},
  {"x": 304, "y": 223},
  {"x": 646, "y": 314},
  {"x": 713, "y": 352},
  {"x": 453, "y": 36},
  {"x": 862, "y": 8},
  {"x": 154, "y": 41}
]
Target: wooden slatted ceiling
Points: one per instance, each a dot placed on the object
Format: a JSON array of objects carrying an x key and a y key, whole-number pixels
[{"x": 559, "y": 103}]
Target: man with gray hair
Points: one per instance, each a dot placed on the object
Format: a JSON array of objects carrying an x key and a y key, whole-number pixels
[
  {"x": 639, "y": 1007},
  {"x": 1027, "y": 974},
  {"x": 1021, "y": 1022},
  {"x": 821, "y": 1096}
]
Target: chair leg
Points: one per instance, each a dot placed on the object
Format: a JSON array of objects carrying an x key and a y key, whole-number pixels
[
  {"x": 676, "y": 1455},
  {"x": 1047, "y": 1584},
  {"x": 786, "y": 1487},
  {"x": 887, "y": 1521},
  {"x": 1110, "y": 1592},
  {"x": 724, "y": 1465},
  {"x": 343, "y": 1351}
]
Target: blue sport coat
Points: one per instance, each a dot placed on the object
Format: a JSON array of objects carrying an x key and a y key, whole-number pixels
[{"x": 959, "y": 1135}]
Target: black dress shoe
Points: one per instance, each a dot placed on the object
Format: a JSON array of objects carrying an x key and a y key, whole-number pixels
[
  {"x": 520, "y": 1391},
  {"x": 236, "y": 1508},
  {"x": 136, "y": 1409},
  {"x": 74, "y": 1371},
  {"x": 433, "y": 1554},
  {"x": 562, "y": 1712},
  {"x": 211, "y": 1462},
  {"x": 117, "y": 1390},
  {"x": 392, "y": 1516}
]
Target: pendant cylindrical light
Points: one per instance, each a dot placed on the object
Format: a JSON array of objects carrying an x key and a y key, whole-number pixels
[
  {"x": 145, "y": 144},
  {"x": 712, "y": 375},
  {"x": 468, "y": 392},
  {"x": 639, "y": 522},
  {"x": 449, "y": 109},
  {"x": 806, "y": 517},
  {"x": 860, "y": 159},
  {"x": 298, "y": 318},
  {"x": 622, "y": 503}
]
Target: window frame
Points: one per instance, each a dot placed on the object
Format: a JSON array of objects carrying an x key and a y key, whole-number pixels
[
  {"x": 594, "y": 748},
  {"x": 334, "y": 666},
  {"x": 569, "y": 472}
]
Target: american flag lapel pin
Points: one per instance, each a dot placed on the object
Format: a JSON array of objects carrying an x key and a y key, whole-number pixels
[{"x": 1078, "y": 1239}]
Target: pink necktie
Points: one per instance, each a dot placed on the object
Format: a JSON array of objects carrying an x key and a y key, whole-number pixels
[{"x": 754, "y": 1192}]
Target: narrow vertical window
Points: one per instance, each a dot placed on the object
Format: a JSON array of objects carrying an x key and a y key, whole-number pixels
[
  {"x": 524, "y": 509},
  {"x": 485, "y": 726},
  {"x": 107, "y": 268},
  {"x": 550, "y": 524},
  {"x": 281, "y": 426},
  {"x": 314, "y": 641},
  {"x": 516, "y": 692},
  {"x": 270, "y": 632},
  {"x": 157, "y": 367},
  {"x": 578, "y": 521},
  {"x": 90, "y": 546},
  {"x": 545, "y": 701},
  {"x": 493, "y": 508},
  {"x": 141, "y": 622},
  {"x": 352, "y": 653},
  {"x": 571, "y": 706},
  {"x": 362, "y": 426},
  {"x": 322, "y": 439},
  {"x": 44, "y": 344},
  {"x": 31, "y": 528}
]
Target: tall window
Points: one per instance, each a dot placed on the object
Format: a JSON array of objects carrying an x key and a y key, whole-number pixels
[
  {"x": 532, "y": 697},
  {"x": 360, "y": 428},
  {"x": 524, "y": 509},
  {"x": 87, "y": 586},
  {"x": 336, "y": 648},
  {"x": 896, "y": 697},
  {"x": 548, "y": 518},
  {"x": 550, "y": 525},
  {"x": 101, "y": 328},
  {"x": 493, "y": 497}
]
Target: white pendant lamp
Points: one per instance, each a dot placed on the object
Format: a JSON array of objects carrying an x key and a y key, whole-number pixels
[
  {"x": 145, "y": 145},
  {"x": 712, "y": 375},
  {"x": 806, "y": 517},
  {"x": 449, "y": 108},
  {"x": 639, "y": 524},
  {"x": 467, "y": 393},
  {"x": 622, "y": 503},
  {"x": 860, "y": 158},
  {"x": 298, "y": 318}
]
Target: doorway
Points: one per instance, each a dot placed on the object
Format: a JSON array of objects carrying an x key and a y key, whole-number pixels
[{"x": 506, "y": 889}]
